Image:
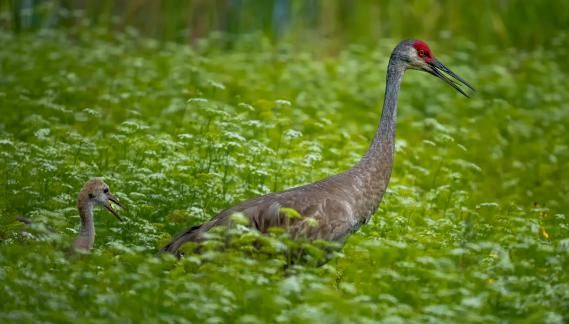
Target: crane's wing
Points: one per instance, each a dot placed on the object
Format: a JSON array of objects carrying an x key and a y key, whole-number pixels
[{"x": 323, "y": 215}]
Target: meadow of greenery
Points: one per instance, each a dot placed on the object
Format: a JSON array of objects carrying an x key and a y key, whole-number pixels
[{"x": 473, "y": 228}]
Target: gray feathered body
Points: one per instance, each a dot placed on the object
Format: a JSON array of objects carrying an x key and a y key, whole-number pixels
[{"x": 339, "y": 204}]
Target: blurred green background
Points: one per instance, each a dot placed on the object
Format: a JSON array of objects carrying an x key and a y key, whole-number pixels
[{"x": 505, "y": 23}]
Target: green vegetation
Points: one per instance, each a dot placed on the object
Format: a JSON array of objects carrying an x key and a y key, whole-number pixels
[
  {"x": 505, "y": 23},
  {"x": 474, "y": 226}
]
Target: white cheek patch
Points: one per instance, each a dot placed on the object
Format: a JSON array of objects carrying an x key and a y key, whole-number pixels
[
  {"x": 411, "y": 52},
  {"x": 415, "y": 62}
]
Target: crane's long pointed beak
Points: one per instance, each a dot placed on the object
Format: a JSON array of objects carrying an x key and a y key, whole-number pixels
[
  {"x": 437, "y": 69},
  {"x": 110, "y": 208}
]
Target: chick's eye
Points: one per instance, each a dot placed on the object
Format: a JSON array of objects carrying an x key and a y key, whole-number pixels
[
  {"x": 106, "y": 190},
  {"x": 91, "y": 196}
]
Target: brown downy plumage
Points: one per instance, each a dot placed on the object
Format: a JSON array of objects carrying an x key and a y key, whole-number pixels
[
  {"x": 333, "y": 208},
  {"x": 94, "y": 193}
]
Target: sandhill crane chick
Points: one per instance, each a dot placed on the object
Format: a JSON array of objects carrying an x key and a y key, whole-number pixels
[{"x": 94, "y": 193}]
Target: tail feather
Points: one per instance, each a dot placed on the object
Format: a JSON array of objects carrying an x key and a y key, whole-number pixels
[{"x": 190, "y": 235}]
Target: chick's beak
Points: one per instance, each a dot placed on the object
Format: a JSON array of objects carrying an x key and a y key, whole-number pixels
[
  {"x": 112, "y": 198},
  {"x": 439, "y": 70}
]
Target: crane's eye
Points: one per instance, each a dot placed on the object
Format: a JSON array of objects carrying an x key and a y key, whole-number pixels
[
  {"x": 421, "y": 53},
  {"x": 106, "y": 190}
]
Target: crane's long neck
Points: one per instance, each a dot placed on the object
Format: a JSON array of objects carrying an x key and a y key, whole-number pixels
[
  {"x": 374, "y": 169},
  {"x": 383, "y": 142},
  {"x": 86, "y": 237}
]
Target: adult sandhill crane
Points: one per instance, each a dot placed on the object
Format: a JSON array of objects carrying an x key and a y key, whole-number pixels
[
  {"x": 333, "y": 208},
  {"x": 94, "y": 193}
]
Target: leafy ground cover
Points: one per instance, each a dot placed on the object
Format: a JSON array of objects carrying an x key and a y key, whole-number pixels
[{"x": 474, "y": 226}]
